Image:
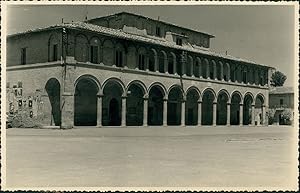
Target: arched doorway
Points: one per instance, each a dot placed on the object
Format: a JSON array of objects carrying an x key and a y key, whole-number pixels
[
  {"x": 235, "y": 109},
  {"x": 134, "y": 105},
  {"x": 247, "y": 110},
  {"x": 85, "y": 113},
  {"x": 222, "y": 108},
  {"x": 112, "y": 103},
  {"x": 155, "y": 106},
  {"x": 53, "y": 90},
  {"x": 191, "y": 107},
  {"x": 259, "y": 113},
  {"x": 207, "y": 107},
  {"x": 174, "y": 106}
]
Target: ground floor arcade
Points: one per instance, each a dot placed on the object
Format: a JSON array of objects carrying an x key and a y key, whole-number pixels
[{"x": 115, "y": 104}]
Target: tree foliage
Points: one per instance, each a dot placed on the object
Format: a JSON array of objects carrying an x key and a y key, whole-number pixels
[{"x": 278, "y": 78}]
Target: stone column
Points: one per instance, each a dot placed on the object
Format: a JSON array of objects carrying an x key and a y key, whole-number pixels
[
  {"x": 199, "y": 113},
  {"x": 123, "y": 120},
  {"x": 145, "y": 121},
  {"x": 241, "y": 114},
  {"x": 146, "y": 63},
  {"x": 156, "y": 63},
  {"x": 183, "y": 68},
  {"x": 207, "y": 71},
  {"x": 99, "y": 110},
  {"x": 263, "y": 114},
  {"x": 166, "y": 65},
  {"x": 214, "y": 113},
  {"x": 183, "y": 112},
  {"x": 228, "y": 114},
  {"x": 192, "y": 69},
  {"x": 200, "y": 70},
  {"x": 174, "y": 66},
  {"x": 253, "y": 114},
  {"x": 228, "y": 73},
  {"x": 114, "y": 57},
  {"x": 165, "y": 112},
  {"x": 222, "y": 71},
  {"x": 215, "y": 71}
]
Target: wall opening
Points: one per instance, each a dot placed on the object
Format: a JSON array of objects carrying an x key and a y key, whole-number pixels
[
  {"x": 53, "y": 90},
  {"x": 85, "y": 113}
]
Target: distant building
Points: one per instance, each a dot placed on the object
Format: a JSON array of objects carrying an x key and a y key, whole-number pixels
[
  {"x": 127, "y": 69},
  {"x": 281, "y": 101}
]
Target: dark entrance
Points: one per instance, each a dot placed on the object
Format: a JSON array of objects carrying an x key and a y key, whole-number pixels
[
  {"x": 114, "y": 117},
  {"x": 155, "y": 106},
  {"x": 53, "y": 90},
  {"x": 174, "y": 106},
  {"x": 112, "y": 103},
  {"x": 85, "y": 113}
]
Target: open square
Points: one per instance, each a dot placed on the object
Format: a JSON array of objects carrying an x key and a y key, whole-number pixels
[{"x": 249, "y": 157}]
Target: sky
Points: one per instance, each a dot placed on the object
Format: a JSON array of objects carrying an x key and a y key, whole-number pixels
[{"x": 260, "y": 33}]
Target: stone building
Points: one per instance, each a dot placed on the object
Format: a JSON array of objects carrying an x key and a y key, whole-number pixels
[
  {"x": 281, "y": 102},
  {"x": 127, "y": 69}
]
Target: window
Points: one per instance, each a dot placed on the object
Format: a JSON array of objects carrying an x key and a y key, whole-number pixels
[
  {"x": 23, "y": 56},
  {"x": 261, "y": 81},
  {"x": 158, "y": 32},
  {"x": 119, "y": 58},
  {"x": 179, "y": 41},
  {"x": 141, "y": 61},
  {"x": 94, "y": 54},
  {"x": 244, "y": 76},
  {"x": 54, "y": 52},
  {"x": 281, "y": 101}
]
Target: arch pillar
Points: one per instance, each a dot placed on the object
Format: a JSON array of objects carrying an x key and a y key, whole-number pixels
[
  {"x": 165, "y": 112},
  {"x": 123, "y": 120},
  {"x": 200, "y": 69},
  {"x": 263, "y": 114},
  {"x": 183, "y": 112},
  {"x": 67, "y": 111},
  {"x": 166, "y": 65},
  {"x": 228, "y": 114},
  {"x": 252, "y": 114},
  {"x": 99, "y": 109},
  {"x": 199, "y": 113},
  {"x": 147, "y": 62},
  {"x": 155, "y": 62},
  {"x": 174, "y": 66},
  {"x": 228, "y": 72},
  {"x": 222, "y": 71},
  {"x": 215, "y": 71},
  {"x": 214, "y": 113},
  {"x": 207, "y": 71},
  {"x": 241, "y": 114},
  {"x": 192, "y": 69},
  {"x": 145, "y": 118}
]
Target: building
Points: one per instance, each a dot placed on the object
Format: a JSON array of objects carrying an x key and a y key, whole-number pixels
[
  {"x": 281, "y": 101},
  {"x": 127, "y": 69}
]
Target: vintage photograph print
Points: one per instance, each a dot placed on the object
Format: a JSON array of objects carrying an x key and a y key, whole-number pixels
[{"x": 149, "y": 96}]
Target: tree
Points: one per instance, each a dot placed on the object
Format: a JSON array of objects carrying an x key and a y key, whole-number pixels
[{"x": 278, "y": 79}]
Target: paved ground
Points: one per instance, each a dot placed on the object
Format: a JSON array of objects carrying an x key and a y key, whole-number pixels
[{"x": 155, "y": 156}]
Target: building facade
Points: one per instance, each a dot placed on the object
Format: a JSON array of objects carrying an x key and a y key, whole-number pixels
[
  {"x": 281, "y": 104},
  {"x": 125, "y": 69}
]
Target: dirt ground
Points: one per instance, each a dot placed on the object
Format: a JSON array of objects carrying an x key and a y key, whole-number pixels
[{"x": 238, "y": 157}]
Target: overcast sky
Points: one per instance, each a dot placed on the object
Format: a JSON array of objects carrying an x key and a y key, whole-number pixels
[{"x": 264, "y": 33}]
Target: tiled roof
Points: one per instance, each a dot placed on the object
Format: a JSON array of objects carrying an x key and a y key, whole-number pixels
[
  {"x": 145, "y": 39},
  {"x": 281, "y": 90},
  {"x": 167, "y": 23}
]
